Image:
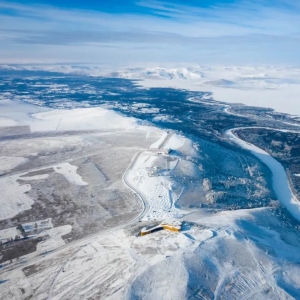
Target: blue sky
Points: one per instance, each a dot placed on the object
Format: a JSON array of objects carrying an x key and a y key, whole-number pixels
[
  {"x": 118, "y": 6},
  {"x": 150, "y": 32}
]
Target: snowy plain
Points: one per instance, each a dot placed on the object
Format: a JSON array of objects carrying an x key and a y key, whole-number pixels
[
  {"x": 220, "y": 255},
  {"x": 39, "y": 119}
]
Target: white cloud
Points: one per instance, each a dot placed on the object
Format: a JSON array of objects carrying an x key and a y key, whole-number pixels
[{"x": 247, "y": 32}]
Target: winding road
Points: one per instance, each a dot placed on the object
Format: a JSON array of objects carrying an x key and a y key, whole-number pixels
[{"x": 140, "y": 194}]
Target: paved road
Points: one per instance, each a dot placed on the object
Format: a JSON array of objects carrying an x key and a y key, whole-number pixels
[{"x": 166, "y": 139}]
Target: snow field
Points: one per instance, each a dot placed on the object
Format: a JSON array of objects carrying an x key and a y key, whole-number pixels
[
  {"x": 8, "y": 163},
  {"x": 7, "y": 234},
  {"x": 108, "y": 265},
  {"x": 221, "y": 262},
  {"x": 176, "y": 142},
  {"x": 42, "y": 119},
  {"x": 35, "y": 177},
  {"x": 99, "y": 268},
  {"x": 13, "y": 197},
  {"x": 82, "y": 119},
  {"x": 10, "y": 116},
  {"x": 70, "y": 173},
  {"x": 183, "y": 145},
  {"x": 157, "y": 189},
  {"x": 226, "y": 264}
]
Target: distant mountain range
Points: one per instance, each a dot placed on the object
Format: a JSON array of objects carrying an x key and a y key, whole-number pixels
[{"x": 264, "y": 86}]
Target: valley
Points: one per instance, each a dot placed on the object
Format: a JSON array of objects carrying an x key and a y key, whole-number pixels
[{"x": 81, "y": 178}]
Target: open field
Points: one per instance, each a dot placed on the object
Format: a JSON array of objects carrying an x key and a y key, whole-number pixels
[
  {"x": 84, "y": 190},
  {"x": 73, "y": 178}
]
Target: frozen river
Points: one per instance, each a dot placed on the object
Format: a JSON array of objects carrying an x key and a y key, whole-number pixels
[{"x": 280, "y": 181}]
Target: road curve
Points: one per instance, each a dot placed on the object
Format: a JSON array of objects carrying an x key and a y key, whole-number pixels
[{"x": 140, "y": 194}]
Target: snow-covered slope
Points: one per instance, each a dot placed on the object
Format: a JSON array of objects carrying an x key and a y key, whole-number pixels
[
  {"x": 151, "y": 175},
  {"x": 42, "y": 119}
]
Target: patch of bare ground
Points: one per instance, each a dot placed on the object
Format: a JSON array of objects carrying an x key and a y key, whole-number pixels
[{"x": 17, "y": 248}]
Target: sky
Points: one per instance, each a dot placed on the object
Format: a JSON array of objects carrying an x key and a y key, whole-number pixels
[{"x": 130, "y": 33}]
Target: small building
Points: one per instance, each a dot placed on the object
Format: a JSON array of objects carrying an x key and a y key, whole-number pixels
[
  {"x": 172, "y": 226},
  {"x": 166, "y": 225},
  {"x": 164, "y": 151}
]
